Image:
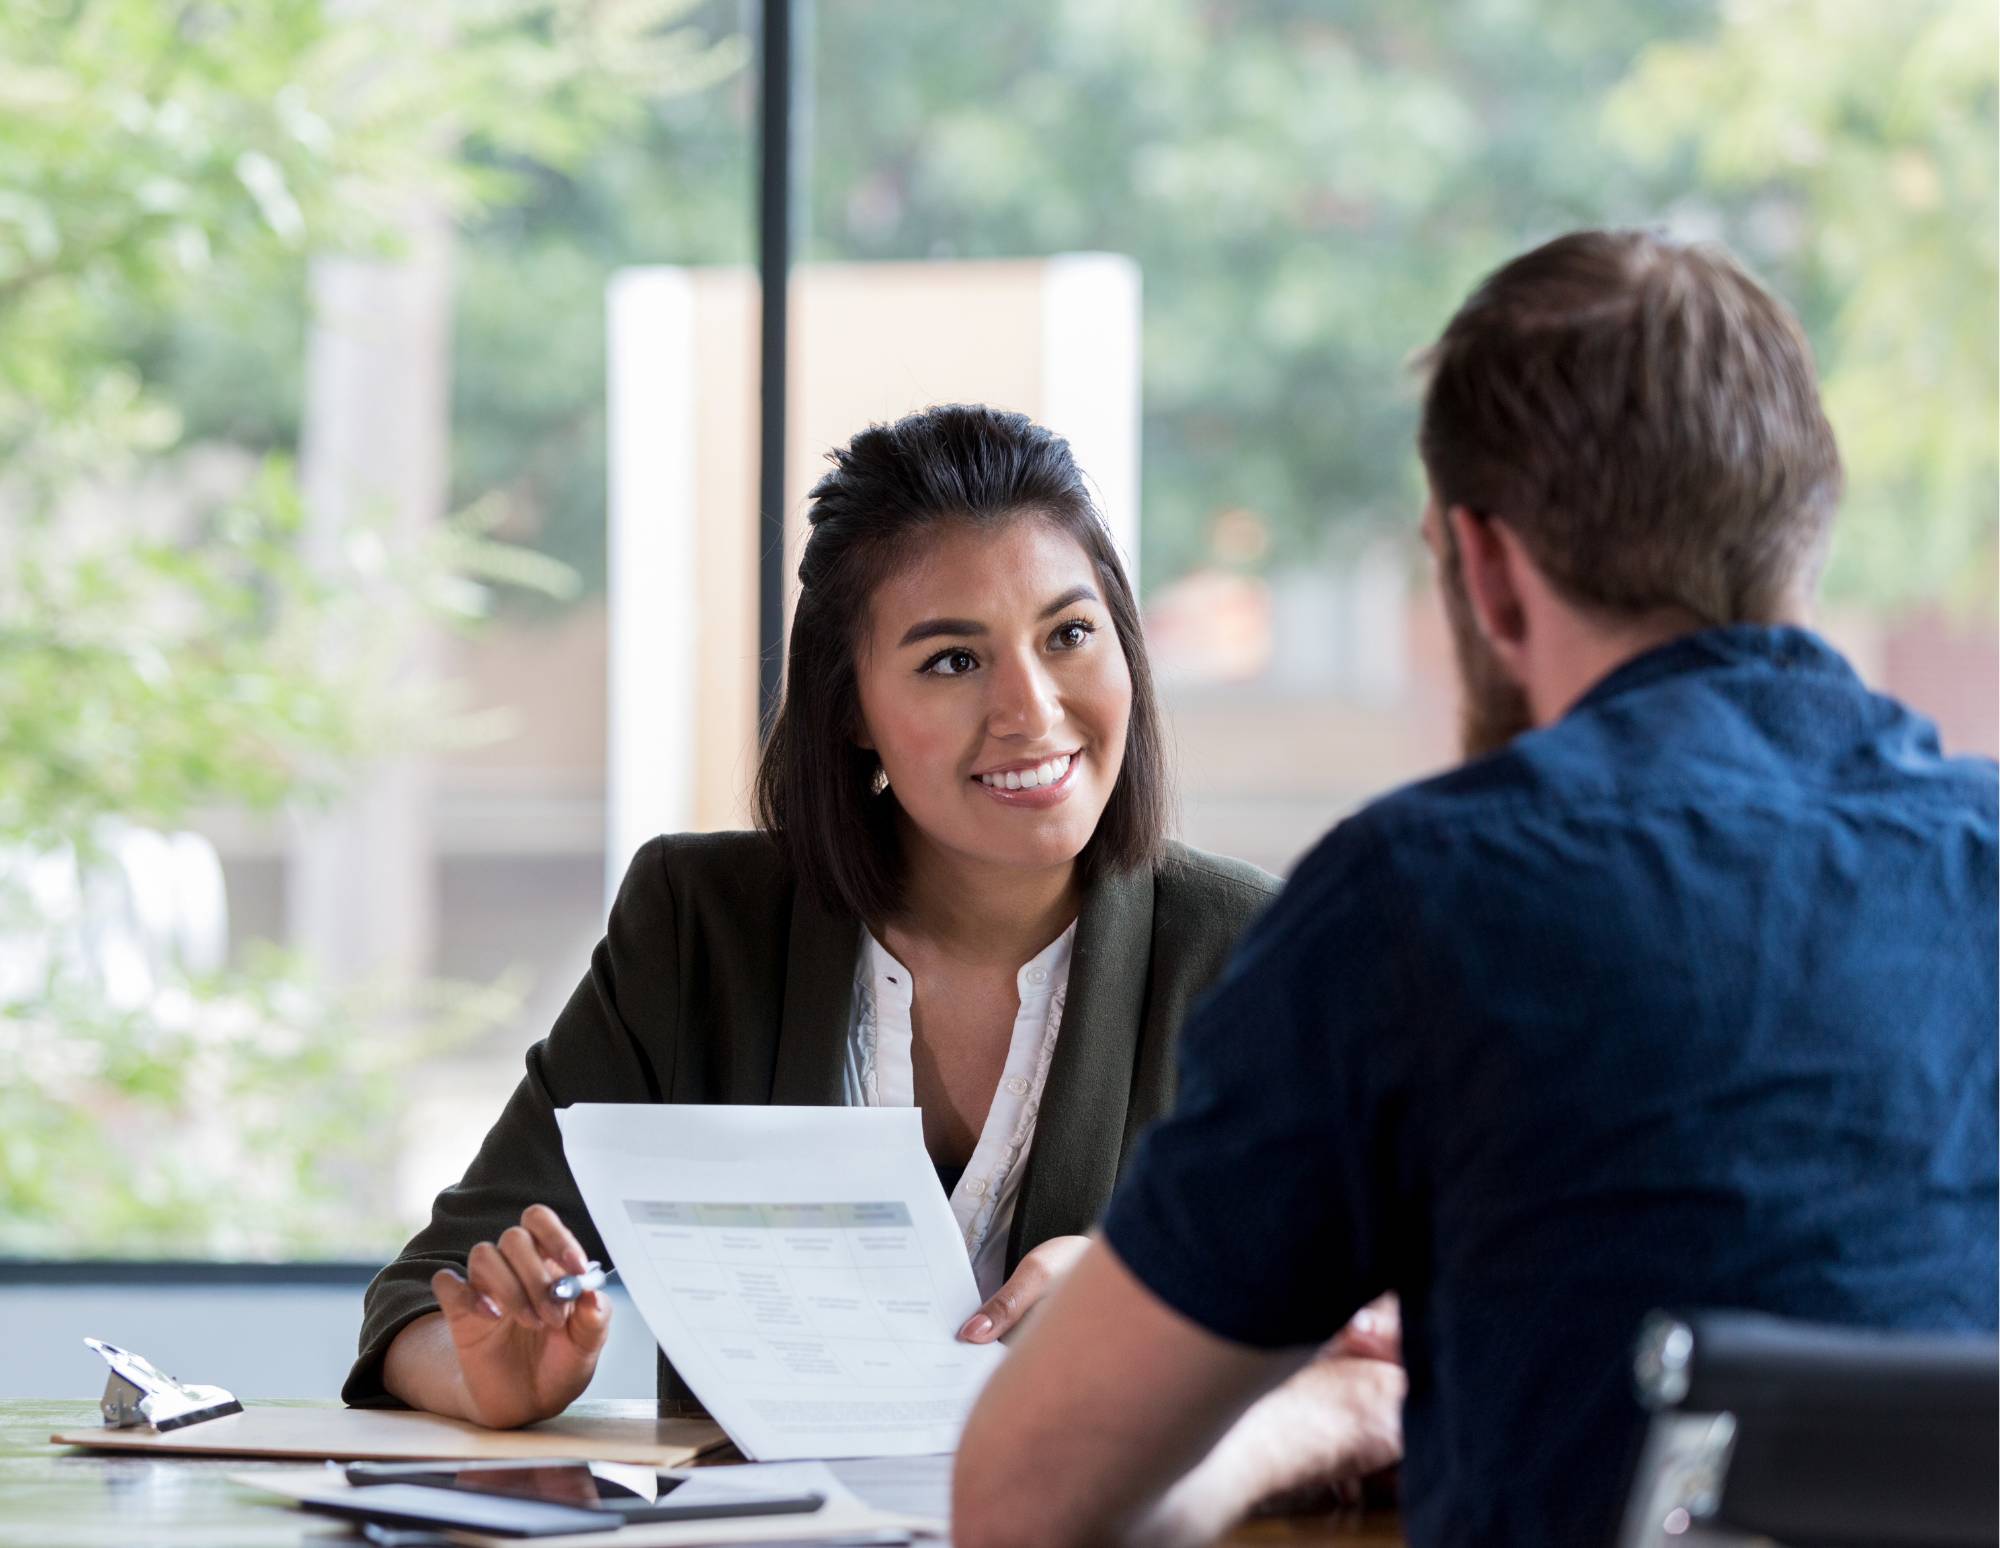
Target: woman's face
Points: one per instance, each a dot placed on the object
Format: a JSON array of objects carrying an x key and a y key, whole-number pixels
[{"x": 995, "y": 692}]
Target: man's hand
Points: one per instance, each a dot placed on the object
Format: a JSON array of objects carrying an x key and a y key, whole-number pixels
[
  {"x": 1034, "y": 1276},
  {"x": 522, "y": 1355},
  {"x": 1314, "y": 1437},
  {"x": 1109, "y": 1397},
  {"x": 1117, "y": 1420},
  {"x": 1373, "y": 1333}
]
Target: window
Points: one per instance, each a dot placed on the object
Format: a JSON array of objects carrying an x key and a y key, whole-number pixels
[{"x": 310, "y": 407}]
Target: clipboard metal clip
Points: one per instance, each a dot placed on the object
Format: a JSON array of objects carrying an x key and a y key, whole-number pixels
[{"x": 138, "y": 1393}]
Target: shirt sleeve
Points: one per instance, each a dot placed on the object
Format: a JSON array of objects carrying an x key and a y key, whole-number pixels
[
  {"x": 1263, "y": 1206},
  {"x": 613, "y": 1042}
]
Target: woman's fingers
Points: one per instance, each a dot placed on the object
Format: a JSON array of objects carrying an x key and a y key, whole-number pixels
[
  {"x": 511, "y": 1278},
  {"x": 492, "y": 1275},
  {"x": 456, "y": 1298},
  {"x": 590, "y": 1322},
  {"x": 524, "y": 1257},
  {"x": 1030, "y": 1281},
  {"x": 1005, "y": 1306},
  {"x": 555, "y": 1239}
]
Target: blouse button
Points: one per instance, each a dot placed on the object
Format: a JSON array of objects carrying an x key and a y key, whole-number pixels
[
  {"x": 1038, "y": 975},
  {"x": 1017, "y": 1086},
  {"x": 977, "y": 1187}
]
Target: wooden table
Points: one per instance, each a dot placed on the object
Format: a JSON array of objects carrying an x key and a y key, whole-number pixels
[{"x": 51, "y": 1497}]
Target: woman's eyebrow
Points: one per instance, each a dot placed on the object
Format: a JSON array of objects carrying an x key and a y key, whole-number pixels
[
  {"x": 931, "y": 628},
  {"x": 1070, "y": 598}
]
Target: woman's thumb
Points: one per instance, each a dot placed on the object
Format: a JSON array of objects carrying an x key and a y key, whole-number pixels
[{"x": 590, "y": 1322}]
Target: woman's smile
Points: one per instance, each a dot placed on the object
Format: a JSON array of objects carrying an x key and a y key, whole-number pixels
[{"x": 1041, "y": 784}]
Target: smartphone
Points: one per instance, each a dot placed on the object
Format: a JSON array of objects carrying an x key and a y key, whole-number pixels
[
  {"x": 422, "y": 1505},
  {"x": 560, "y": 1481}
]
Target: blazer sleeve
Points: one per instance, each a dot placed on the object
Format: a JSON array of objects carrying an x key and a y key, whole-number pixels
[{"x": 615, "y": 1041}]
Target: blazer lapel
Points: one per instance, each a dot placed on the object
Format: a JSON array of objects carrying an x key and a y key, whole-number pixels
[
  {"x": 1080, "y": 1129},
  {"x": 819, "y": 1001}
]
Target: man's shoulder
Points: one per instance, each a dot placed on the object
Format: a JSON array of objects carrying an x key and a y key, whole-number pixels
[
  {"x": 1741, "y": 737},
  {"x": 1449, "y": 829},
  {"x": 1484, "y": 793},
  {"x": 1694, "y": 774}
]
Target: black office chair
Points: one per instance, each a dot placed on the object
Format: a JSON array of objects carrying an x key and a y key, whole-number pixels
[{"x": 1813, "y": 1437}]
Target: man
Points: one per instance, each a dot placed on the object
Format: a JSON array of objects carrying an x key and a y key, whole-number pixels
[{"x": 1682, "y": 993}]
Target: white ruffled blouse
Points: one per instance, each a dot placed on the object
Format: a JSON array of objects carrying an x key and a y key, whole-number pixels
[{"x": 880, "y": 1072}]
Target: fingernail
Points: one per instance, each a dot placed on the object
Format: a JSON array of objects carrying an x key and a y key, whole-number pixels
[
  {"x": 977, "y": 1328},
  {"x": 1366, "y": 1322},
  {"x": 490, "y": 1306}
]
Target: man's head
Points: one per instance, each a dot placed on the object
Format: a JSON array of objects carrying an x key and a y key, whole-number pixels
[{"x": 1624, "y": 441}]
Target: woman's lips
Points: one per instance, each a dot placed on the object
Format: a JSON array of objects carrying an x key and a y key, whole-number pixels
[{"x": 1041, "y": 795}]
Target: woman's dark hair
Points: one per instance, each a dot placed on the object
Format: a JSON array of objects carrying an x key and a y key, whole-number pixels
[{"x": 890, "y": 487}]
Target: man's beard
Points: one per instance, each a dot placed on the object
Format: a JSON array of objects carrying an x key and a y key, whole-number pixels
[{"x": 1492, "y": 708}]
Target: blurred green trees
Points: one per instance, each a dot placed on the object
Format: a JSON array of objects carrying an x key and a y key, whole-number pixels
[
  {"x": 171, "y": 638},
  {"x": 1309, "y": 189},
  {"x": 1852, "y": 150},
  {"x": 166, "y": 172}
]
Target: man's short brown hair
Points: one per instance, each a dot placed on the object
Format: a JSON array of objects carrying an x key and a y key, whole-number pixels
[{"x": 1646, "y": 418}]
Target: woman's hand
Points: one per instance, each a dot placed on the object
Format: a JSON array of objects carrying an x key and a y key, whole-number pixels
[
  {"x": 1033, "y": 1277},
  {"x": 522, "y": 1354}
]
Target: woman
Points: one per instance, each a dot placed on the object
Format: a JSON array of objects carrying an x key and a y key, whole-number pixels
[{"x": 962, "y": 898}]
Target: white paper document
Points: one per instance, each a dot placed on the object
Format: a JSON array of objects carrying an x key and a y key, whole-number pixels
[
  {"x": 800, "y": 1266},
  {"x": 705, "y": 1485}
]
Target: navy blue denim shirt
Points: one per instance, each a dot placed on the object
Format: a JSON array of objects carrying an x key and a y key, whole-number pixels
[{"x": 1686, "y": 1000}]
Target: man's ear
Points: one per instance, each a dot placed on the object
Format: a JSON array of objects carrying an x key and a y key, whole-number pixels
[{"x": 1490, "y": 560}]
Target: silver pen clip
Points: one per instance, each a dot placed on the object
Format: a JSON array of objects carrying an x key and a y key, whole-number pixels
[
  {"x": 570, "y": 1287},
  {"x": 137, "y": 1393}
]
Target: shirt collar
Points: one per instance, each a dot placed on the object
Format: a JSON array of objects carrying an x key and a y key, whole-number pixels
[
  {"x": 1778, "y": 647},
  {"x": 1037, "y": 978},
  {"x": 889, "y": 978},
  {"x": 1048, "y": 968}
]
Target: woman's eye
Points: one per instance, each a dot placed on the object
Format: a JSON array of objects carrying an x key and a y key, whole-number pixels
[
  {"x": 1071, "y": 635},
  {"x": 951, "y": 663}
]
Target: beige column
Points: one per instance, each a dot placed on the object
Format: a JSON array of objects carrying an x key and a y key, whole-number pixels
[{"x": 375, "y": 451}]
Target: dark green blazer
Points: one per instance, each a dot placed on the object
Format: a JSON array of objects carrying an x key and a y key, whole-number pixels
[{"x": 720, "y": 980}]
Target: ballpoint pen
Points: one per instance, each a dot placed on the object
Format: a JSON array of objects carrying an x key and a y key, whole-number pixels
[{"x": 571, "y": 1286}]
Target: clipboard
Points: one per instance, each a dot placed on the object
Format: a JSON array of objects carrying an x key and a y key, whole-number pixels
[{"x": 404, "y": 1435}]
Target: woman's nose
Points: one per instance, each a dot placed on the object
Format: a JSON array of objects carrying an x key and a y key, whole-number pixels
[{"x": 1024, "y": 702}]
